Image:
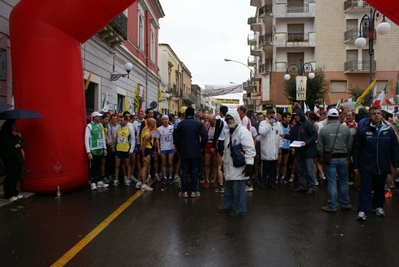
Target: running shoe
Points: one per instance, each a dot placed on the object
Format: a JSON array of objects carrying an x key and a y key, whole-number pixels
[
  {"x": 164, "y": 180},
  {"x": 146, "y": 188},
  {"x": 379, "y": 212},
  {"x": 20, "y": 196},
  {"x": 157, "y": 178},
  {"x": 249, "y": 188},
  {"x": 361, "y": 216},
  {"x": 13, "y": 199},
  {"x": 116, "y": 182},
  {"x": 127, "y": 181},
  {"x": 215, "y": 184},
  {"x": 206, "y": 184},
  {"x": 388, "y": 194},
  {"x": 101, "y": 184},
  {"x": 106, "y": 180},
  {"x": 283, "y": 181},
  {"x": 93, "y": 186},
  {"x": 195, "y": 194},
  {"x": 134, "y": 179},
  {"x": 138, "y": 185},
  {"x": 291, "y": 179},
  {"x": 183, "y": 194}
]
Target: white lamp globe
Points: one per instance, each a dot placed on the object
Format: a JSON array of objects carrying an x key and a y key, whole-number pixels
[
  {"x": 383, "y": 28},
  {"x": 311, "y": 75},
  {"x": 287, "y": 77},
  {"x": 128, "y": 67},
  {"x": 360, "y": 42}
]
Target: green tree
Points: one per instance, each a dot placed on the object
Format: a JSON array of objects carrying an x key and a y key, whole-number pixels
[
  {"x": 356, "y": 91},
  {"x": 315, "y": 91}
]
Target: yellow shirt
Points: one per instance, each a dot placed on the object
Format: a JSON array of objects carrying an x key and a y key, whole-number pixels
[
  {"x": 122, "y": 137},
  {"x": 148, "y": 144}
]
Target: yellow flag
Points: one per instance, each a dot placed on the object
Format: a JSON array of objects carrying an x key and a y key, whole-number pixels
[
  {"x": 159, "y": 92},
  {"x": 366, "y": 92},
  {"x": 88, "y": 80},
  {"x": 136, "y": 99},
  {"x": 126, "y": 102}
]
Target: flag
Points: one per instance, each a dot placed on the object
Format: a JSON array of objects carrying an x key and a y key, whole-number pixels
[
  {"x": 392, "y": 101},
  {"x": 360, "y": 98},
  {"x": 305, "y": 107},
  {"x": 350, "y": 100},
  {"x": 159, "y": 92},
  {"x": 141, "y": 91},
  {"x": 126, "y": 102},
  {"x": 339, "y": 103},
  {"x": 315, "y": 109},
  {"x": 136, "y": 99},
  {"x": 374, "y": 96},
  {"x": 131, "y": 106},
  {"x": 106, "y": 104},
  {"x": 380, "y": 99},
  {"x": 88, "y": 80}
]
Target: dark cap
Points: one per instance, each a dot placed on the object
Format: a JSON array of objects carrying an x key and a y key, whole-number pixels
[
  {"x": 322, "y": 113},
  {"x": 269, "y": 111},
  {"x": 228, "y": 116}
]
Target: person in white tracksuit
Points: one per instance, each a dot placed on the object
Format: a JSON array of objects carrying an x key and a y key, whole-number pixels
[
  {"x": 234, "y": 199},
  {"x": 270, "y": 146}
]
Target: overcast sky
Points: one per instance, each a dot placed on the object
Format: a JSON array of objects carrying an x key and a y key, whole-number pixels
[{"x": 204, "y": 33}]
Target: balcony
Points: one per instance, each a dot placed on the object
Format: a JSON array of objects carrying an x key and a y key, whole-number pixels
[
  {"x": 115, "y": 33},
  {"x": 251, "y": 39},
  {"x": 355, "y": 6},
  {"x": 289, "y": 39},
  {"x": 264, "y": 68},
  {"x": 350, "y": 36},
  {"x": 355, "y": 66},
  {"x": 265, "y": 40},
  {"x": 190, "y": 99},
  {"x": 266, "y": 10},
  {"x": 295, "y": 11},
  {"x": 256, "y": 51},
  {"x": 251, "y": 61},
  {"x": 255, "y": 24},
  {"x": 249, "y": 86}
]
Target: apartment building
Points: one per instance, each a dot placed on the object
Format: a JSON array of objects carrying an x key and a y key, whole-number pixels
[{"x": 319, "y": 34}]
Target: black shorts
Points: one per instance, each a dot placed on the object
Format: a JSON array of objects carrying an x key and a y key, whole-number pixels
[
  {"x": 148, "y": 152},
  {"x": 220, "y": 147},
  {"x": 285, "y": 151}
]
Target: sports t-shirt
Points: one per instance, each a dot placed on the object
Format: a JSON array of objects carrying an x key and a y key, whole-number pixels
[{"x": 165, "y": 136}]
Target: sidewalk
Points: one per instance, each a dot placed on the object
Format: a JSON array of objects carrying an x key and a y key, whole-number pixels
[{"x": 6, "y": 202}]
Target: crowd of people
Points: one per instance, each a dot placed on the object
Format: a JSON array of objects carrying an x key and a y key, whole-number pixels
[{"x": 196, "y": 150}]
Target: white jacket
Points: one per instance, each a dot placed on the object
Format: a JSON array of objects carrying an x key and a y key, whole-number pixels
[
  {"x": 270, "y": 140},
  {"x": 240, "y": 136}
]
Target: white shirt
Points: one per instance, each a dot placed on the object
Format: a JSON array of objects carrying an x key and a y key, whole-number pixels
[
  {"x": 137, "y": 127},
  {"x": 165, "y": 136}
]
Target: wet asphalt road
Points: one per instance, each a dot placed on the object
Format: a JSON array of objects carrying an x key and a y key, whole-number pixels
[{"x": 281, "y": 228}]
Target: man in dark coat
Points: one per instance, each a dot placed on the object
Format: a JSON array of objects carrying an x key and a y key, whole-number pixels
[
  {"x": 304, "y": 132},
  {"x": 191, "y": 138}
]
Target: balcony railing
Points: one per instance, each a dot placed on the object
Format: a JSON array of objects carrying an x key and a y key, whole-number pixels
[
  {"x": 266, "y": 10},
  {"x": 302, "y": 8},
  {"x": 119, "y": 25},
  {"x": 351, "y": 34},
  {"x": 297, "y": 37},
  {"x": 264, "y": 68},
  {"x": 266, "y": 39},
  {"x": 191, "y": 98},
  {"x": 355, "y": 4},
  {"x": 359, "y": 66}
]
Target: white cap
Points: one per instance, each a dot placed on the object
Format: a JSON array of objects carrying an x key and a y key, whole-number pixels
[
  {"x": 333, "y": 113},
  {"x": 96, "y": 114}
]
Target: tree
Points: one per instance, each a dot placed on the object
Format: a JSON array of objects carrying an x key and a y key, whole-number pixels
[
  {"x": 315, "y": 90},
  {"x": 356, "y": 91}
]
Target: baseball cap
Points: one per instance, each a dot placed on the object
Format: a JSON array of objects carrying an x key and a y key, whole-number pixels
[
  {"x": 140, "y": 112},
  {"x": 183, "y": 109},
  {"x": 228, "y": 116},
  {"x": 269, "y": 111},
  {"x": 96, "y": 114},
  {"x": 333, "y": 113}
]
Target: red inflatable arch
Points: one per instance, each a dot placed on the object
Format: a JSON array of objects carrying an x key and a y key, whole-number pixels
[
  {"x": 46, "y": 37},
  {"x": 390, "y": 8}
]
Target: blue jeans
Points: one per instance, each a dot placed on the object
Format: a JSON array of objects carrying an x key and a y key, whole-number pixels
[
  {"x": 235, "y": 196},
  {"x": 338, "y": 166},
  {"x": 189, "y": 166},
  {"x": 305, "y": 171},
  {"x": 369, "y": 182}
]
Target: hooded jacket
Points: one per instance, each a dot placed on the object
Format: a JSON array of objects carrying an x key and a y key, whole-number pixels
[
  {"x": 270, "y": 140},
  {"x": 242, "y": 136},
  {"x": 375, "y": 149},
  {"x": 303, "y": 130}
]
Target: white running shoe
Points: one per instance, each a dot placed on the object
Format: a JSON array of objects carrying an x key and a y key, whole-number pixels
[
  {"x": 138, "y": 185},
  {"x": 20, "y": 196},
  {"x": 145, "y": 187},
  {"x": 148, "y": 178},
  {"x": 134, "y": 179},
  {"x": 101, "y": 184},
  {"x": 116, "y": 182},
  {"x": 13, "y": 199},
  {"x": 93, "y": 186},
  {"x": 127, "y": 181}
]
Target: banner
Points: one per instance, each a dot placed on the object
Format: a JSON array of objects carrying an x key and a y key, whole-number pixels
[
  {"x": 301, "y": 87},
  {"x": 215, "y": 90}
]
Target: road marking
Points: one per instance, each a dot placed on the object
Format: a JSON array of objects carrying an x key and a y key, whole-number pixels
[{"x": 90, "y": 236}]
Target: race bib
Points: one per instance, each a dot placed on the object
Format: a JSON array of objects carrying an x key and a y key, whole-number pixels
[
  {"x": 100, "y": 143},
  {"x": 121, "y": 140}
]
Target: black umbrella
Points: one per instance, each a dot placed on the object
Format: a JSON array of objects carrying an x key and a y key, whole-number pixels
[
  {"x": 4, "y": 106},
  {"x": 17, "y": 114}
]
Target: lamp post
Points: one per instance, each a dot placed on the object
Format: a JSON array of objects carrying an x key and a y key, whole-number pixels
[
  {"x": 300, "y": 78},
  {"x": 128, "y": 67},
  {"x": 367, "y": 23},
  {"x": 252, "y": 76}
]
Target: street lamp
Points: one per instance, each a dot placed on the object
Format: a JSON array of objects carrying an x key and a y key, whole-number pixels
[
  {"x": 300, "y": 79},
  {"x": 252, "y": 76},
  {"x": 367, "y": 27},
  {"x": 128, "y": 67}
]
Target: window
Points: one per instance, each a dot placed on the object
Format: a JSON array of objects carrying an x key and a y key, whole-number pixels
[
  {"x": 120, "y": 100},
  {"x": 90, "y": 97},
  {"x": 141, "y": 29},
  {"x": 152, "y": 55},
  {"x": 296, "y": 32},
  {"x": 295, "y": 58},
  {"x": 338, "y": 86}
]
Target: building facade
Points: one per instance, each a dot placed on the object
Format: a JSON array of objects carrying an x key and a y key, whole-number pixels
[{"x": 320, "y": 34}]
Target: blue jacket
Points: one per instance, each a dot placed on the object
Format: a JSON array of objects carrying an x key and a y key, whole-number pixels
[
  {"x": 303, "y": 130},
  {"x": 191, "y": 137},
  {"x": 374, "y": 150}
]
